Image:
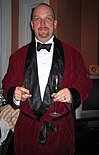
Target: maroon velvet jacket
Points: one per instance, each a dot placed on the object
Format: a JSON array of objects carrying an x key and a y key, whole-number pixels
[{"x": 27, "y": 130}]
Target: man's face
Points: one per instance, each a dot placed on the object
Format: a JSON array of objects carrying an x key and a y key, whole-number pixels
[{"x": 43, "y": 23}]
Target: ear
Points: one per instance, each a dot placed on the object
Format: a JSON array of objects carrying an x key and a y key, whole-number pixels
[
  {"x": 32, "y": 24},
  {"x": 55, "y": 24}
]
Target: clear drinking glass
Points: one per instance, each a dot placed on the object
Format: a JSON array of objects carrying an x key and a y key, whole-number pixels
[{"x": 56, "y": 87}]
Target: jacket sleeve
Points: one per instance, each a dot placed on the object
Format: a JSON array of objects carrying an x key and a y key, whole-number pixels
[{"x": 76, "y": 76}]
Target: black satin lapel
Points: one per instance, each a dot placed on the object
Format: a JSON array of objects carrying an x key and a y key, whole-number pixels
[
  {"x": 31, "y": 78},
  {"x": 59, "y": 51},
  {"x": 58, "y": 60}
]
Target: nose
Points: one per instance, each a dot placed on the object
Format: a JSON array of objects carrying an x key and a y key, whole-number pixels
[{"x": 42, "y": 22}]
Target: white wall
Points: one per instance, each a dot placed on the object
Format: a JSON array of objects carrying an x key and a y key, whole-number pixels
[
  {"x": 5, "y": 36},
  {"x": 0, "y": 36}
]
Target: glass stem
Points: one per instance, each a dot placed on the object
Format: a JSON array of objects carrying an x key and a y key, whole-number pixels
[{"x": 54, "y": 107}]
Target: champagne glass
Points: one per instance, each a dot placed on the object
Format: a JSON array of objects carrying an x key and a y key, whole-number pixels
[{"x": 55, "y": 87}]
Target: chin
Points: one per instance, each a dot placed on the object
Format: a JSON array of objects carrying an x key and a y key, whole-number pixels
[{"x": 43, "y": 38}]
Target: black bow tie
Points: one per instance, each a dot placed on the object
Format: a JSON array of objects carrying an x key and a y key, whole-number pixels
[{"x": 43, "y": 46}]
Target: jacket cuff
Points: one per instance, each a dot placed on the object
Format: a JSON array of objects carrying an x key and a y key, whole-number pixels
[
  {"x": 76, "y": 98},
  {"x": 10, "y": 95}
]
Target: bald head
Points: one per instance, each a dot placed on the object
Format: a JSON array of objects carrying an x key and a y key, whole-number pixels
[
  {"x": 41, "y": 5},
  {"x": 43, "y": 22}
]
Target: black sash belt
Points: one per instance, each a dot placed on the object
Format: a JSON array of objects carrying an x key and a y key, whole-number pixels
[{"x": 46, "y": 125}]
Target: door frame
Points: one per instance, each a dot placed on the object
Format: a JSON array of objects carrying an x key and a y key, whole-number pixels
[{"x": 25, "y": 8}]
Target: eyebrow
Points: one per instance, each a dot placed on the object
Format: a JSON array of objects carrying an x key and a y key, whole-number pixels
[{"x": 34, "y": 16}]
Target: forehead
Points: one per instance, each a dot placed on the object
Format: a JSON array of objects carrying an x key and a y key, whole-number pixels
[{"x": 43, "y": 10}]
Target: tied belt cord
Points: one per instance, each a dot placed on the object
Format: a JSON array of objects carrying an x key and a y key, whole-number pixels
[{"x": 46, "y": 126}]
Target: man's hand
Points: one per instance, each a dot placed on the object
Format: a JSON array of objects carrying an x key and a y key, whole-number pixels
[
  {"x": 21, "y": 94},
  {"x": 64, "y": 95}
]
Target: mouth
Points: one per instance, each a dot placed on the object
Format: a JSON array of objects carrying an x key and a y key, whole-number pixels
[{"x": 43, "y": 29}]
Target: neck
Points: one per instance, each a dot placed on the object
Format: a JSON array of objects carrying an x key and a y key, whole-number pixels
[{"x": 47, "y": 41}]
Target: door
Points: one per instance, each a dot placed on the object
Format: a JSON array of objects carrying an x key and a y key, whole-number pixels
[{"x": 25, "y": 10}]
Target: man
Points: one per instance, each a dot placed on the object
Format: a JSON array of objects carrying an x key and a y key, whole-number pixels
[{"x": 36, "y": 132}]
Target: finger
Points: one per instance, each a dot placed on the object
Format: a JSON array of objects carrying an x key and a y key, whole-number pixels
[
  {"x": 17, "y": 94},
  {"x": 59, "y": 96},
  {"x": 17, "y": 97},
  {"x": 25, "y": 96},
  {"x": 22, "y": 89},
  {"x": 63, "y": 95}
]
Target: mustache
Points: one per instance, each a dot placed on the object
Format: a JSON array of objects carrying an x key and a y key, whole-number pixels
[{"x": 42, "y": 28}]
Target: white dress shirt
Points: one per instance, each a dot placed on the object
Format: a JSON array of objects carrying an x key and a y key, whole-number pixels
[{"x": 44, "y": 62}]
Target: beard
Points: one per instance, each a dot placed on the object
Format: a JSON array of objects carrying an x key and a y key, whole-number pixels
[{"x": 43, "y": 32}]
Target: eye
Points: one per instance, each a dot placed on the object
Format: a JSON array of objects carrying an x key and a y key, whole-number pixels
[
  {"x": 36, "y": 19},
  {"x": 49, "y": 19}
]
